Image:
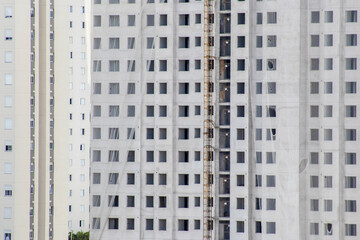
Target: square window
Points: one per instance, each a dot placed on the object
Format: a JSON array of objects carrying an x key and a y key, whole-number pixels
[
  {"x": 350, "y": 87},
  {"x": 314, "y": 64},
  {"x": 314, "y": 205},
  {"x": 351, "y": 40},
  {"x": 114, "y": 21},
  {"x": 131, "y": 20},
  {"x": 351, "y": 16},
  {"x": 271, "y": 41},
  {"x": 271, "y": 64},
  {"x": 328, "y": 16},
  {"x": 350, "y": 111},
  {"x": 240, "y": 226},
  {"x": 315, "y": 40},
  {"x": 149, "y": 224},
  {"x": 350, "y": 63},
  {"x": 315, "y": 17},
  {"x": 241, "y": 18},
  {"x": 271, "y": 17},
  {"x": 270, "y": 227},
  {"x": 163, "y": 20},
  {"x": 162, "y": 42},
  {"x": 328, "y": 40},
  {"x": 241, "y": 41},
  {"x": 314, "y": 88},
  {"x": 184, "y": 19},
  {"x": 150, "y": 43}
]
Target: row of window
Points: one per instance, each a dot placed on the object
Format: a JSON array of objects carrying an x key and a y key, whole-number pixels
[
  {"x": 184, "y": 111},
  {"x": 327, "y": 112},
  {"x": 184, "y": 65},
  {"x": 134, "y": 1},
  {"x": 82, "y": 9},
  {"x": 113, "y": 224},
  {"x": 82, "y": 193},
  {"x": 81, "y": 114},
  {"x": 183, "y": 20},
  {"x": 184, "y": 156},
  {"x": 114, "y": 65},
  {"x": 70, "y": 224},
  {"x": 350, "y": 134},
  {"x": 71, "y": 24},
  {"x": 183, "y": 134},
  {"x": 350, "y": 16},
  {"x": 113, "y": 201},
  {"x": 114, "y": 111},
  {"x": 185, "y": 42},
  {"x": 81, "y": 147},
  {"x": 349, "y": 158},
  {"x": 184, "y": 202},
  {"x": 184, "y": 88},
  {"x": 114, "y": 88},
  {"x": 81, "y": 208},
  {"x": 114, "y": 20},
  {"x": 82, "y": 177},
  {"x": 350, "y": 229},
  {"x": 350, "y": 182},
  {"x": 349, "y": 205},
  {"x": 114, "y": 133},
  {"x": 182, "y": 225},
  {"x": 350, "y": 40},
  {"x": 183, "y": 179},
  {"x": 114, "y": 43},
  {"x": 114, "y": 156}
]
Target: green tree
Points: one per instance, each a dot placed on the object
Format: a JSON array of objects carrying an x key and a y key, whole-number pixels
[{"x": 79, "y": 235}]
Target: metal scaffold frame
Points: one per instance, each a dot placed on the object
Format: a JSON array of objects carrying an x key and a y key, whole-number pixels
[{"x": 208, "y": 124}]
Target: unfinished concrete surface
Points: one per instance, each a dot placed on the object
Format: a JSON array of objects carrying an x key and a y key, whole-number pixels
[{"x": 285, "y": 108}]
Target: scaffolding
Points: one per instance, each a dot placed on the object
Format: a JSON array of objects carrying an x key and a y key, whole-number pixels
[{"x": 208, "y": 125}]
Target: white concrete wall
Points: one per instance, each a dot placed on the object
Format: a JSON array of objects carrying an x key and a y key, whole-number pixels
[{"x": 293, "y": 121}]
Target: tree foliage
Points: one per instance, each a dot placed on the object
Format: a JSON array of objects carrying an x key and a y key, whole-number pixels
[{"x": 79, "y": 235}]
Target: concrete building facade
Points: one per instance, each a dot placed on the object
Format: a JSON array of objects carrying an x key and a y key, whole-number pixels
[
  {"x": 34, "y": 135},
  {"x": 79, "y": 115},
  {"x": 286, "y": 124}
]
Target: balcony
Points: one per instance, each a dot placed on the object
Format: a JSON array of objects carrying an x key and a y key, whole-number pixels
[{"x": 224, "y": 184}]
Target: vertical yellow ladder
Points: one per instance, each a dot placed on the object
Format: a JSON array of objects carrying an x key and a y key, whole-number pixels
[{"x": 208, "y": 124}]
